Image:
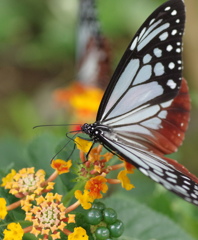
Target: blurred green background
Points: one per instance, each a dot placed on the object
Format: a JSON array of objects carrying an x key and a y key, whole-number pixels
[{"x": 37, "y": 55}]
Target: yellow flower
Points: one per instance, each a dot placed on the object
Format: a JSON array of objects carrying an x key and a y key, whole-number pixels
[
  {"x": 83, "y": 100},
  {"x": 96, "y": 185},
  {"x": 14, "y": 231},
  {"x": 78, "y": 234},
  {"x": 61, "y": 166},
  {"x": 84, "y": 199},
  {"x": 26, "y": 182},
  {"x": 122, "y": 176},
  {"x": 83, "y": 145},
  {"x": 8, "y": 178},
  {"x": 3, "y": 209},
  {"x": 47, "y": 216},
  {"x": 71, "y": 218},
  {"x": 88, "y": 100}
]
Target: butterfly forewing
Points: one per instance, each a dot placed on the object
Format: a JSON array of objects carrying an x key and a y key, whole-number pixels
[{"x": 150, "y": 69}]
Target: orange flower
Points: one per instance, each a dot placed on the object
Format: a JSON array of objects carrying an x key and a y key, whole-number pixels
[
  {"x": 96, "y": 185},
  {"x": 61, "y": 166},
  {"x": 82, "y": 99}
]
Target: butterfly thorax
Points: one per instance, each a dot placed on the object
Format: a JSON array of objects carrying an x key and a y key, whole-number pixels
[{"x": 94, "y": 130}]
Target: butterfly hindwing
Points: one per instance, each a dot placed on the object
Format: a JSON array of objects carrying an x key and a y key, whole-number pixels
[{"x": 172, "y": 175}]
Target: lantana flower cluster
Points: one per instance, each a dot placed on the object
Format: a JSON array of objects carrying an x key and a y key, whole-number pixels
[{"x": 45, "y": 211}]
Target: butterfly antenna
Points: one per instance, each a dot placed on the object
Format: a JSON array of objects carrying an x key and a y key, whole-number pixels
[
  {"x": 74, "y": 146},
  {"x": 56, "y": 125}
]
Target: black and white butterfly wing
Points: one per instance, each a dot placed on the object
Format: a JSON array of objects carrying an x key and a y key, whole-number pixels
[
  {"x": 139, "y": 101},
  {"x": 145, "y": 110},
  {"x": 169, "y": 173}
]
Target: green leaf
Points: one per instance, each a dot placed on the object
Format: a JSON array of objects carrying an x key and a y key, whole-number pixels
[{"x": 142, "y": 223}]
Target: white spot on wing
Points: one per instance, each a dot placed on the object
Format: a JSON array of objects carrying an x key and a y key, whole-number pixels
[
  {"x": 166, "y": 104},
  {"x": 167, "y": 8},
  {"x": 171, "y": 65},
  {"x": 158, "y": 69},
  {"x": 153, "y": 20},
  {"x": 174, "y": 12},
  {"x": 153, "y": 123},
  {"x": 143, "y": 75},
  {"x": 143, "y": 171},
  {"x": 163, "y": 36},
  {"x": 174, "y": 32},
  {"x": 169, "y": 48},
  {"x": 134, "y": 44},
  {"x": 186, "y": 182},
  {"x": 171, "y": 180},
  {"x": 142, "y": 32},
  {"x": 162, "y": 114},
  {"x": 186, "y": 187},
  {"x": 171, "y": 84},
  {"x": 157, "y": 52},
  {"x": 171, "y": 174},
  {"x": 147, "y": 58}
]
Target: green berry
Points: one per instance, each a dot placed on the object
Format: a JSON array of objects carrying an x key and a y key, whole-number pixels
[
  {"x": 116, "y": 229},
  {"x": 109, "y": 215},
  {"x": 102, "y": 233},
  {"x": 98, "y": 205},
  {"x": 93, "y": 216}
]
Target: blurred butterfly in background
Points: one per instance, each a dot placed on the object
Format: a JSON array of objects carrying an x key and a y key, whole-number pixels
[
  {"x": 144, "y": 112},
  {"x": 92, "y": 48},
  {"x": 82, "y": 97}
]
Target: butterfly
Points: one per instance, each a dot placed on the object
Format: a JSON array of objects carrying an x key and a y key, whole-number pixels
[
  {"x": 144, "y": 112},
  {"x": 93, "y": 53}
]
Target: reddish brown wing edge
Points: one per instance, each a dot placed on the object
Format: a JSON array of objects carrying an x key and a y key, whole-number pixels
[{"x": 172, "y": 132}]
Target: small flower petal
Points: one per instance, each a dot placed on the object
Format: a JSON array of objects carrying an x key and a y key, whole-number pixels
[
  {"x": 8, "y": 178},
  {"x": 84, "y": 199},
  {"x": 3, "y": 209},
  {"x": 83, "y": 145},
  {"x": 14, "y": 231},
  {"x": 122, "y": 176},
  {"x": 96, "y": 185},
  {"x": 61, "y": 166},
  {"x": 71, "y": 218},
  {"x": 78, "y": 234}
]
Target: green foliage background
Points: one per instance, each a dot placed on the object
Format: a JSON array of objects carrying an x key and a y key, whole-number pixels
[{"x": 37, "y": 55}]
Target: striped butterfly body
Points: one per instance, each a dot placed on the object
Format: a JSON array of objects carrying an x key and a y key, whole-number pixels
[{"x": 144, "y": 112}]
